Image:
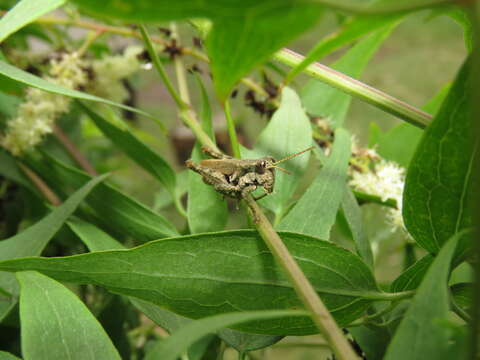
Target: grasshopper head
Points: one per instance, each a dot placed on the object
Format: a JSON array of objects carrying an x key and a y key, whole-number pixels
[{"x": 264, "y": 164}]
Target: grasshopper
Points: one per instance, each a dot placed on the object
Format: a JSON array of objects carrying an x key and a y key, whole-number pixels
[{"x": 236, "y": 178}]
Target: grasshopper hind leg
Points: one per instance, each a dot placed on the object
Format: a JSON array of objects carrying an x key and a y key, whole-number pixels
[{"x": 214, "y": 154}]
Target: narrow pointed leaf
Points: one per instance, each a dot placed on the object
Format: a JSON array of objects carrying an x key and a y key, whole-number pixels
[
  {"x": 115, "y": 209},
  {"x": 235, "y": 46},
  {"x": 352, "y": 30},
  {"x": 411, "y": 278},
  {"x": 94, "y": 238},
  {"x": 175, "y": 345},
  {"x": 26, "y": 78},
  {"x": 55, "y": 324},
  {"x": 423, "y": 333},
  {"x": 353, "y": 216},
  {"x": 328, "y": 102},
  {"x": 139, "y": 152},
  {"x": 207, "y": 274},
  {"x": 289, "y": 131},
  {"x": 439, "y": 192},
  {"x": 207, "y": 210},
  {"x": 33, "y": 240},
  {"x": 23, "y": 13},
  {"x": 315, "y": 212}
]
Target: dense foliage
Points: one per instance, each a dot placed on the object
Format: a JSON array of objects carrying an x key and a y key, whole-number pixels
[{"x": 148, "y": 261}]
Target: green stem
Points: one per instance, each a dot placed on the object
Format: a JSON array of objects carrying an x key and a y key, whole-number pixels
[
  {"x": 231, "y": 131},
  {"x": 161, "y": 71},
  {"x": 358, "y": 89},
  {"x": 304, "y": 289}
]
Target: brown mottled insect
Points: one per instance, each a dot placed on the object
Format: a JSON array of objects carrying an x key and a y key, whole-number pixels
[{"x": 237, "y": 178}]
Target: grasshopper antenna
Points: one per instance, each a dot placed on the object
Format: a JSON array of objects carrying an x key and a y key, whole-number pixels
[
  {"x": 291, "y": 156},
  {"x": 282, "y": 169}
]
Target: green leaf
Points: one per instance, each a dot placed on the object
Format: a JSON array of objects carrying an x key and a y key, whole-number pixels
[
  {"x": 7, "y": 356},
  {"x": 245, "y": 342},
  {"x": 24, "y": 12},
  {"x": 139, "y": 152},
  {"x": 463, "y": 295},
  {"x": 94, "y": 238},
  {"x": 207, "y": 274},
  {"x": 325, "y": 101},
  {"x": 411, "y": 278},
  {"x": 207, "y": 210},
  {"x": 236, "y": 45},
  {"x": 399, "y": 143},
  {"x": 289, "y": 131},
  {"x": 113, "y": 208},
  {"x": 353, "y": 216},
  {"x": 423, "y": 333},
  {"x": 172, "y": 347},
  {"x": 26, "y": 78},
  {"x": 354, "y": 29},
  {"x": 461, "y": 16},
  {"x": 315, "y": 212},
  {"x": 33, "y": 240},
  {"x": 439, "y": 185},
  {"x": 55, "y": 324},
  {"x": 97, "y": 240}
]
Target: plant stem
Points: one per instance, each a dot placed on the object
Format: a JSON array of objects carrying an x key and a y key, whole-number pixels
[
  {"x": 358, "y": 89},
  {"x": 161, "y": 71},
  {"x": 319, "y": 313},
  {"x": 73, "y": 151},
  {"x": 44, "y": 189},
  {"x": 231, "y": 131}
]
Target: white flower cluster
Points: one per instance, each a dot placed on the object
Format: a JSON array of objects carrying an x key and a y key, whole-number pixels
[
  {"x": 36, "y": 116},
  {"x": 387, "y": 181},
  {"x": 110, "y": 70}
]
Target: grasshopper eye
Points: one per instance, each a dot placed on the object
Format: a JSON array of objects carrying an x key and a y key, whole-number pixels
[{"x": 260, "y": 168}]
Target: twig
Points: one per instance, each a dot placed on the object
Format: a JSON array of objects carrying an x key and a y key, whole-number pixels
[
  {"x": 358, "y": 89},
  {"x": 186, "y": 113},
  {"x": 73, "y": 151},
  {"x": 231, "y": 130},
  {"x": 44, "y": 189},
  {"x": 320, "y": 314},
  {"x": 161, "y": 71}
]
